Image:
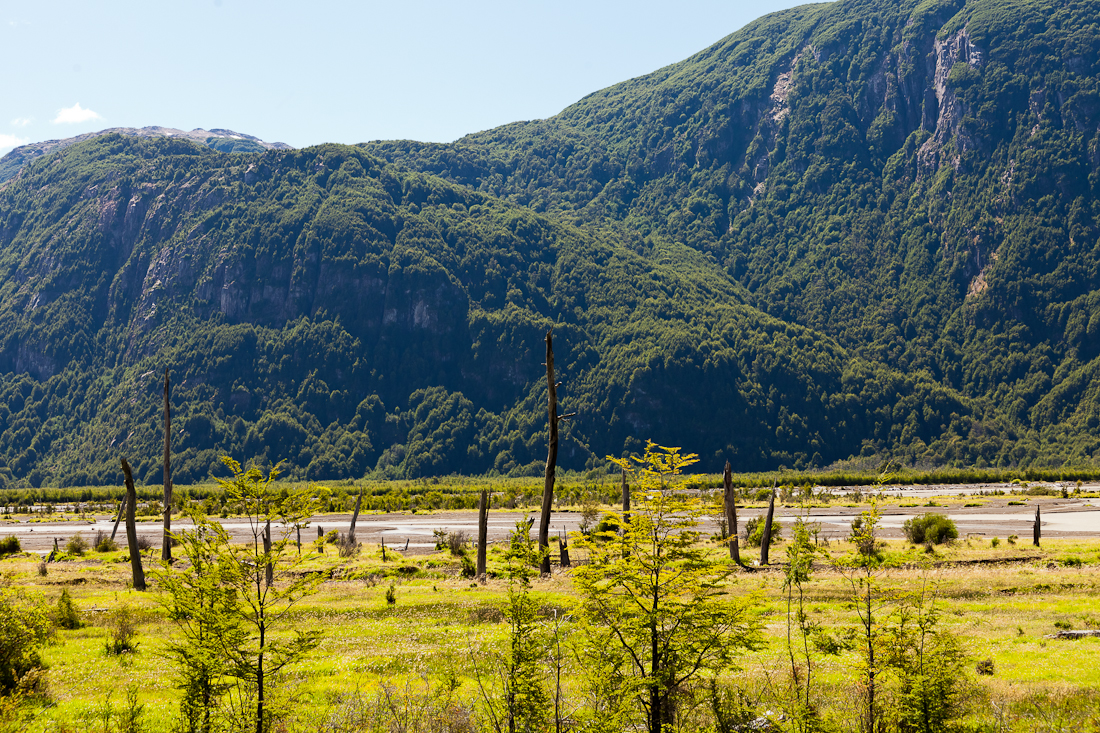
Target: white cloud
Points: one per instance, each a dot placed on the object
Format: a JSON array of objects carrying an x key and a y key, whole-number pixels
[
  {"x": 11, "y": 141},
  {"x": 21, "y": 122},
  {"x": 74, "y": 115}
]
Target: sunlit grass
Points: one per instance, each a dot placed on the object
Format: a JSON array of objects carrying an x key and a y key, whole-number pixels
[{"x": 442, "y": 622}]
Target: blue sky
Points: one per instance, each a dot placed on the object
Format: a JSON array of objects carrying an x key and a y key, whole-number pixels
[{"x": 307, "y": 73}]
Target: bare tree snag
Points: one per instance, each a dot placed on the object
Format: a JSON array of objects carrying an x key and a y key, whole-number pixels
[
  {"x": 766, "y": 539},
  {"x": 626, "y": 499},
  {"x": 320, "y": 540},
  {"x": 1036, "y": 530},
  {"x": 551, "y": 457},
  {"x": 730, "y": 503},
  {"x": 482, "y": 531},
  {"x": 563, "y": 545},
  {"x": 269, "y": 569},
  {"x": 121, "y": 509},
  {"x": 355, "y": 515},
  {"x": 166, "y": 540},
  {"x": 131, "y": 528}
]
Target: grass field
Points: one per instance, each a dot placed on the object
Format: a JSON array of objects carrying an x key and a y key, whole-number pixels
[{"x": 406, "y": 657}]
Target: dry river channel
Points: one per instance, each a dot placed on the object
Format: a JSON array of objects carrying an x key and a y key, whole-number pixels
[{"x": 413, "y": 533}]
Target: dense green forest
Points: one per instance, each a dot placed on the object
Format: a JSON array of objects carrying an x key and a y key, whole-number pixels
[{"x": 846, "y": 229}]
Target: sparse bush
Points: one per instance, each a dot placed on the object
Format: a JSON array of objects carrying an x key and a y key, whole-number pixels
[
  {"x": 391, "y": 595},
  {"x": 994, "y": 542},
  {"x": 122, "y": 628},
  {"x": 347, "y": 546},
  {"x": 589, "y": 512},
  {"x": 458, "y": 542},
  {"x": 984, "y": 667},
  {"x": 10, "y": 545},
  {"x": 933, "y": 528},
  {"x": 754, "y": 532},
  {"x": 77, "y": 545},
  {"x": 103, "y": 542},
  {"x": 67, "y": 615},
  {"x": 42, "y": 568},
  {"x": 144, "y": 543}
]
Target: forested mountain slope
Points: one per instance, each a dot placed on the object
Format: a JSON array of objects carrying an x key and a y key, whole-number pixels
[
  {"x": 847, "y": 228},
  {"x": 321, "y": 307},
  {"x": 918, "y": 180}
]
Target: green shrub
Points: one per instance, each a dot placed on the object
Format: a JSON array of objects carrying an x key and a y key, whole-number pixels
[
  {"x": 930, "y": 528},
  {"x": 122, "y": 628},
  {"x": 77, "y": 545},
  {"x": 10, "y": 545},
  {"x": 24, "y": 629},
  {"x": 104, "y": 543},
  {"x": 391, "y": 595},
  {"x": 67, "y": 615},
  {"x": 754, "y": 532}
]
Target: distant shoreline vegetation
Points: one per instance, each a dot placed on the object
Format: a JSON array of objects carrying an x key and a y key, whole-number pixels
[{"x": 457, "y": 493}]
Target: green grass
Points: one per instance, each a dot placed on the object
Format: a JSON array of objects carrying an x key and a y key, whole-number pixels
[{"x": 444, "y": 623}]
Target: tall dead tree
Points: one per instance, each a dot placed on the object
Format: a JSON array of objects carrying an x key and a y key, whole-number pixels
[
  {"x": 166, "y": 541},
  {"x": 131, "y": 528},
  {"x": 729, "y": 500},
  {"x": 551, "y": 456},
  {"x": 355, "y": 516},
  {"x": 121, "y": 509},
  {"x": 482, "y": 531},
  {"x": 766, "y": 539},
  {"x": 1036, "y": 531}
]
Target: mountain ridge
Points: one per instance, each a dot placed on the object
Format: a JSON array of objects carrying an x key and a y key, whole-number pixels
[{"x": 226, "y": 141}]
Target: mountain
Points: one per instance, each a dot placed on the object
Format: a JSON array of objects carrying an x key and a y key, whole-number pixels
[
  {"x": 845, "y": 229},
  {"x": 917, "y": 180},
  {"x": 321, "y": 307},
  {"x": 226, "y": 141}
]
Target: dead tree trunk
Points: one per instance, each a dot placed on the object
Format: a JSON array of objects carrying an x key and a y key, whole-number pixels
[
  {"x": 121, "y": 509},
  {"x": 551, "y": 457},
  {"x": 482, "y": 531},
  {"x": 766, "y": 539},
  {"x": 626, "y": 499},
  {"x": 166, "y": 540},
  {"x": 355, "y": 516},
  {"x": 563, "y": 544},
  {"x": 269, "y": 569},
  {"x": 131, "y": 528},
  {"x": 730, "y": 504},
  {"x": 320, "y": 540},
  {"x": 1036, "y": 530}
]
